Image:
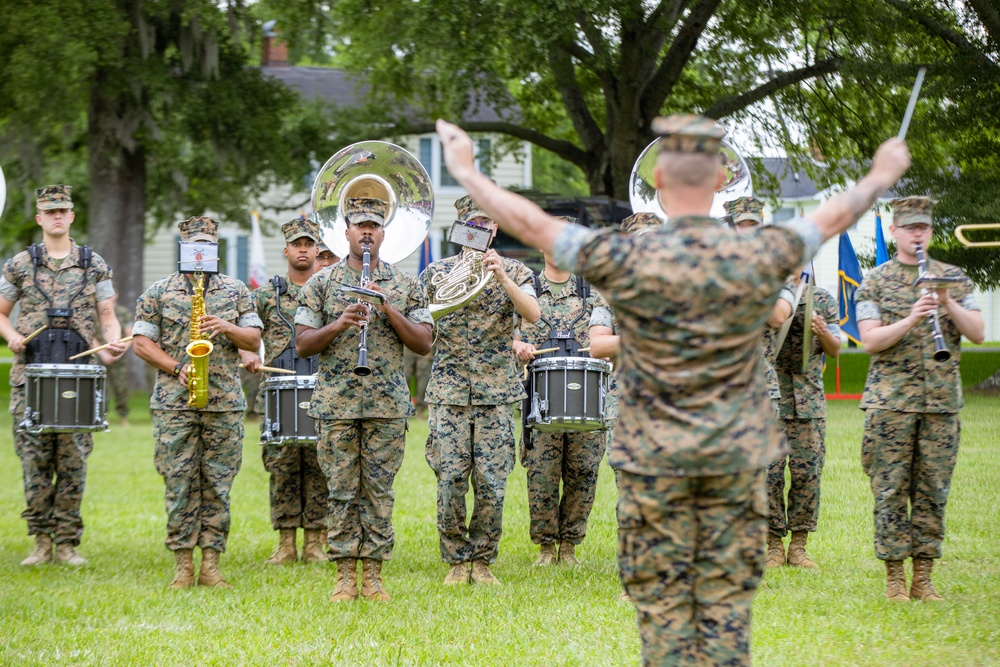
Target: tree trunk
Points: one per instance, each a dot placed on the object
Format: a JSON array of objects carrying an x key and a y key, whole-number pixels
[{"x": 117, "y": 209}]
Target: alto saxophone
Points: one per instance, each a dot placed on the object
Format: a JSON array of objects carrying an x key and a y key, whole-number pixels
[{"x": 198, "y": 349}]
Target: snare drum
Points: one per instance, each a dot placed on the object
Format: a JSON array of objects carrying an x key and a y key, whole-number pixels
[
  {"x": 568, "y": 394},
  {"x": 64, "y": 398},
  {"x": 286, "y": 405}
]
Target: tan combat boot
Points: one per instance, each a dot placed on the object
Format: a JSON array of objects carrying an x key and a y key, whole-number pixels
[
  {"x": 567, "y": 554},
  {"x": 184, "y": 569},
  {"x": 895, "y": 581},
  {"x": 42, "y": 552},
  {"x": 797, "y": 556},
  {"x": 285, "y": 553},
  {"x": 546, "y": 556},
  {"x": 458, "y": 574},
  {"x": 209, "y": 574},
  {"x": 481, "y": 574},
  {"x": 775, "y": 552},
  {"x": 346, "y": 589},
  {"x": 921, "y": 587},
  {"x": 312, "y": 549},
  {"x": 371, "y": 581},
  {"x": 66, "y": 554}
]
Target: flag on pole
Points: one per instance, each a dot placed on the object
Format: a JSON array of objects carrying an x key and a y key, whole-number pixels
[
  {"x": 849, "y": 279},
  {"x": 881, "y": 250},
  {"x": 426, "y": 256},
  {"x": 258, "y": 270}
]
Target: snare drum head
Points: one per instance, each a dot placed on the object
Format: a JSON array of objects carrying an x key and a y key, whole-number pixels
[
  {"x": 279, "y": 382},
  {"x": 65, "y": 370},
  {"x": 575, "y": 363}
]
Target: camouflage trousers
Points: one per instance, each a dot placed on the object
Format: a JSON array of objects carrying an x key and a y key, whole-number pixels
[
  {"x": 474, "y": 442},
  {"x": 198, "y": 455},
  {"x": 574, "y": 459},
  {"x": 54, "y": 468},
  {"x": 909, "y": 457},
  {"x": 807, "y": 453},
  {"x": 691, "y": 554},
  {"x": 609, "y": 435},
  {"x": 360, "y": 458},
  {"x": 118, "y": 382},
  {"x": 298, "y": 486}
]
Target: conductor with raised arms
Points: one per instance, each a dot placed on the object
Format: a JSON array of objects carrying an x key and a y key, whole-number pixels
[{"x": 692, "y": 440}]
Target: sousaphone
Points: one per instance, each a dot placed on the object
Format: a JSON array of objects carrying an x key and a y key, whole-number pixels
[
  {"x": 384, "y": 171},
  {"x": 642, "y": 188}
]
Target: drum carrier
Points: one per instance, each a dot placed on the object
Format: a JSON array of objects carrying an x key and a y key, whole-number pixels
[
  {"x": 62, "y": 395},
  {"x": 287, "y": 397},
  {"x": 566, "y": 392}
]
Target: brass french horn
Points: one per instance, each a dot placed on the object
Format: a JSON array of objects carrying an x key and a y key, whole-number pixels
[
  {"x": 642, "y": 188},
  {"x": 384, "y": 171}
]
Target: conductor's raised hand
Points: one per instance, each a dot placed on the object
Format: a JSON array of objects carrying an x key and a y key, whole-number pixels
[
  {"x": 458, "y": 153},
  {"x": 891, "y": 161}
]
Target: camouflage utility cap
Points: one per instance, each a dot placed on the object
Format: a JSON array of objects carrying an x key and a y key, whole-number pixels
[
  {"x": 322, "y": 247},
  {"x": 688, "y": 133},
  {"x": 912, "y": 211},
  {"x": 199, "y": 228},
  {"x": 469, "y": 210},
  {"x": 365, "y": 209},
  {"x": 54, "y": 196},
  {"x": 746, "y": 208},
  {"x": 640, "y": 223},
  {"x": 299, "y": 227}
]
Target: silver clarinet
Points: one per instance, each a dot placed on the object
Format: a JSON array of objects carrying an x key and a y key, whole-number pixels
[{"x": 941, "y": 352}]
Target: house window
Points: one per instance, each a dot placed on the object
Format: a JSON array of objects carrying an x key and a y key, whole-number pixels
[
  {"x": 782, "y": 215},
  {"x": 433, "y": 161}
]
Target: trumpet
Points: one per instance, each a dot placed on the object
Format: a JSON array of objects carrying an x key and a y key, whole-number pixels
[
  {"x": 961, "y": 229},
  {"x": 941, "y": 352}
]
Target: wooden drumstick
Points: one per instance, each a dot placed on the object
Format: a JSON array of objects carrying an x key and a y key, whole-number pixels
[
  {"x": 584, "y": 349},
  {"x": 99, "y": 348},
  {"x": 30, "y": 337},
  {"x": 545, "y": 350},
  {"x": 272, "y": 369}
]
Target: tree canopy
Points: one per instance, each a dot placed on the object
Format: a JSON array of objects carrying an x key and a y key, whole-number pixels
[
  {"x": 822, "y": 80},
  {"x": 153, "y": 112}
]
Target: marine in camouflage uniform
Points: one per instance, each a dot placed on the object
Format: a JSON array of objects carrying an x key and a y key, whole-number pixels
[
  {"x": 692, "y": 440},
  {"x": 297, "y": 484},
  {"x": 197, "y": 451},
  {"x": 802, "y": 411},
  {"x": 572, "y": 458},
  {"x": 474, "y": 383},
  {"x": 54, "y": 465},
  {"x": 911, "y": 401},
  {"x": 361, "y": 418}
]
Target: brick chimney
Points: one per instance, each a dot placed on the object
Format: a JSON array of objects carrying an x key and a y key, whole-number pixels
[{"x": 275, "y": 51}]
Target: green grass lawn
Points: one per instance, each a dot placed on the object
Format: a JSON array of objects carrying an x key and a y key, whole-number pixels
[{"x": 118, "y": 610}]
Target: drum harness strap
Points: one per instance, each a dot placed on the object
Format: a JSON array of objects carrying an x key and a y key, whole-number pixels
[
  {"x": 289, "y": 358},
  {"x": 563, "y": 339},
  {"x": 56, "y": 346}
]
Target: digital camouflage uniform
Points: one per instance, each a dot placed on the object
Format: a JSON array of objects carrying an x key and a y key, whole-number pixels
[
  {"x": 197, "y": 452},
  {"x": 692, "y": 439},
  {"x": 298, "y": 486},
  {"x": 118, "y": 371},
  {"x": 911, "y": 405},
  {"x": 474, "y": 383},
  {"x": 362, "y": 419},
  {"x": 54, "y": 465},
  {"x": 572, "y": 458},
  {"x": 802, "y": 410}
]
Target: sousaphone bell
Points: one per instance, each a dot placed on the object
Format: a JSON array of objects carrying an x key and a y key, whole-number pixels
[{"x": 642, "y": 187}]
